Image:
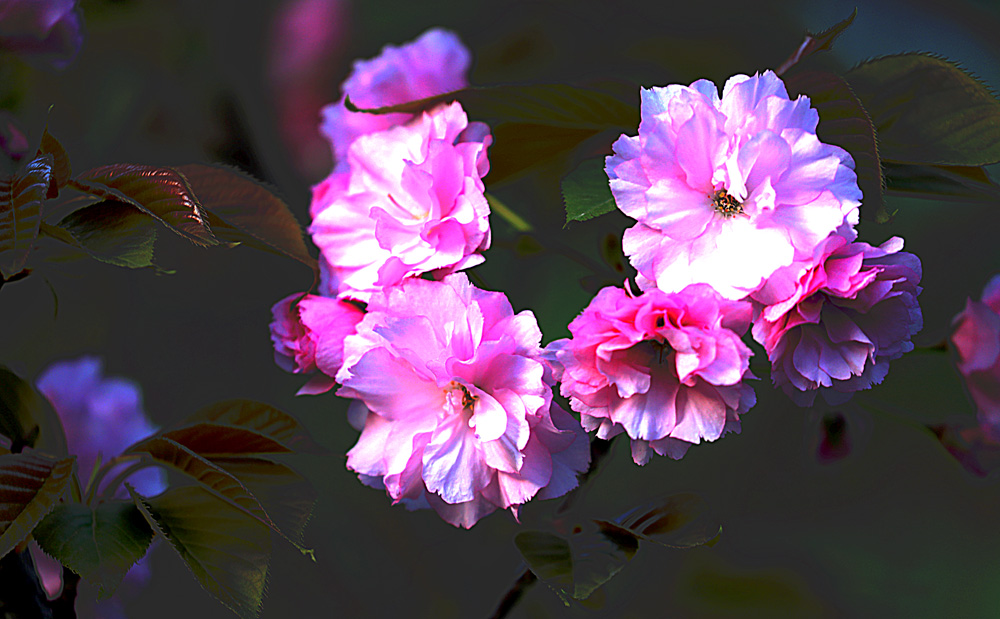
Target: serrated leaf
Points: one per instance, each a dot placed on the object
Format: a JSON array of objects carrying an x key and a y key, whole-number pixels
[
  {"x": 257, "y": 417},
  {"x": 928, "y": 111},
  {"x": 844, "y": 122},
  {"x": 21, "y": 198},
  {"x": 30, "y": 486},
  {"x": 227, "y": 551},
  {"x": 577, "y": 566},
  {"x": 27, "y": 418},
  {"x": 587, "y": 192},
  {"x": 243, "y": 210},
  {"x": 61, "y": 168},
  {"x": 817, "y": 42},
  {"x": 959, "y": 183},
  {"x": 555, "y": 105},
  {"x": 99, "y": 543},
  {"x": 113, "y": 232},
  {"x": 162, "y": 193},
  {"x": 677, "y": 521}
]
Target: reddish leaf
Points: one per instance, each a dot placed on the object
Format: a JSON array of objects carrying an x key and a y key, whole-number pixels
[
  {"x": 162, "y": 193},
  {"x": 844, "y": 122},
  {"x": 242, "y": 210},
  {"x": 26, "y": 418},
  {"x": 678, "y": 521},
  {"x": 61, "y": 169},
  {"x": 216, "y": 440},
  {"x": 21, "y": 200},
  {"x": 257, "y": 417},
  {"x": 30, "y": 486},
  {"x": 958, "y": 183}
]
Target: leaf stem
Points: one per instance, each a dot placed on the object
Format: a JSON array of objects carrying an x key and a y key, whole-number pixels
[
  {"x": 97, "y": 478},
  {"x": 514, "y": 594},
  {"x": 504, "y": 211}
]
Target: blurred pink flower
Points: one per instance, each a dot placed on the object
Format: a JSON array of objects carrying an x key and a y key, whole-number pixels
[
  {"x": 411, "y": 202},
  {"x": 46, "y": 32},
  {"x": 308, "y": 40},
  {"x": 100, "y": 416},
  {"x": 308, "y": 333},
  {"x": 977, "y": 340},
  {"x": 667, "y": 369},
  {"x": 835, "y": 322},
  {"x": 726, "y": 191},
  {"x": 460, "y": 414},
  {"x": 433, "y": 64}
]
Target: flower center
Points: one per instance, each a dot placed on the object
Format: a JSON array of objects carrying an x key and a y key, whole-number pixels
[
  {"x": 726, "y": 205},
  {"x": 460, "y": 398}
]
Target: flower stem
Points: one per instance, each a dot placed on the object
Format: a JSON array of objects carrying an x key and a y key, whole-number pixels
[{"x": 514, "y": 594}]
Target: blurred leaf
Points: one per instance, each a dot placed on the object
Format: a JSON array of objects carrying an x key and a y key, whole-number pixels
[
  {"x": 61, "y": 169},
  {"x": 227, "y": 551},
  {"x": 928, "y": 110},
  {"x": 112, "y": 232},
  {"x": 242, "y": 210},
  {"x": 99, "y": 543},
  {"x": 677, "y": 521},
  {"x": 612, "y": 254},
  {"x": 577, "y": 566},
  {"x": 960, "y": 183},
  {"x": 587, "y": 191},
  {"x": 162, "y": 193},
  {"x": 21, "y": 198},
  {"x": 845, "y": 123},
  {"x": 32, "y": 483},
  {"x": 554, "y": 105},
  {"x": 519, "y": 147},
  {"x": 817, "y": 42},
  {"x": 258, "y": 417},
  {"x": 27, "y": 418}
]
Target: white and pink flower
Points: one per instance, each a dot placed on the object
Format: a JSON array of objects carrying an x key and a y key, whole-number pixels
[
  {"x": 412, "y": 201},
  {"x": 667, "y": 369},
  {"x": 834, "y": 322},
  {"x": 726, "y": 191},
  {"x": 433, "y": 64},
  {"x": 460, "y": 414}
]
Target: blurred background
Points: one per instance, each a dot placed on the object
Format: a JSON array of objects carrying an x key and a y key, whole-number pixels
[{"x": 894, "y": 528}]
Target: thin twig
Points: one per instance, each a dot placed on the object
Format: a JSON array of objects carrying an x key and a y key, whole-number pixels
[{"x": 514, "y": 594}]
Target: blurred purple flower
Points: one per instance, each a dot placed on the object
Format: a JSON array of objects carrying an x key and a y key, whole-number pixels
[
  {"x": 433, "y": 64},
  {"x": 977, "y": 340},
  {"x": 835, "y": 322},
  {"x": 100, "y": 416},
  {"x": 46, "y": 32}
]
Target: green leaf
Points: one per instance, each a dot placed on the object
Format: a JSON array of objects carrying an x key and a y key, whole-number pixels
[
  {"x": 227, "y": 551},
  {"x": 577, "y": 566},
  {"x": 518, "y": 147},
  {"x": 817, "y": 42},
  {"x": 587, "y": 191},
  {"x": 260, "y": 418},
  {"x": 21, "y": 198},
  {"x": 30, "y": 486},
  {"x": 27, "y": 418},
  {"x": 844, "y": 122},
  {"x": 201, "y": 469},
  {"x": 678, "y": 521},
  {"x": 928, "y": 110},
  {"x": 162, "y": 193},
  {"x": 243, "y": 210},
  {"x": 958, "y": 183},
  {"x": 113, "y": 232},
  {"x": 61, "y": 168},
  {"x": 99, "y": 543},
  {"x": 554, "y": 105}
]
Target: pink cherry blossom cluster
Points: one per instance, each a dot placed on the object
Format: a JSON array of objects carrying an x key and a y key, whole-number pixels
[
  {"x": 977, "y": 340},
  {"x": 735, "y": 198},
  {"x": 451, "y": 392},
  {"x": 744, "y": 217}
]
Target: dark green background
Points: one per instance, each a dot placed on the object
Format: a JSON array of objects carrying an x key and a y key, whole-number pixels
[{"x": 896, "y": 529}]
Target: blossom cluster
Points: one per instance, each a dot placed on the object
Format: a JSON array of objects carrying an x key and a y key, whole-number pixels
[
  {"x": 451, "y": 390},
  {"x": 745, "y": 222}
]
